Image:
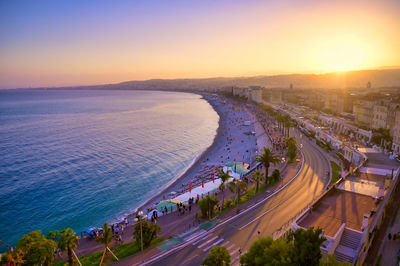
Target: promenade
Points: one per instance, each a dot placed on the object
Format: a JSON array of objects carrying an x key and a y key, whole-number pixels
[{"x": 232, "y": 144}]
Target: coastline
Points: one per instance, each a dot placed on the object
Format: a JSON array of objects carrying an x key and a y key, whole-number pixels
[{"x": 191, "y": 168}]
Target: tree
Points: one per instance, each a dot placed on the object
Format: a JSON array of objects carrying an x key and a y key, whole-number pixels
[
  {"x": 306, "y": 246},
  {"x": 37, "y": 248},
  {"x": 149, "y": 232},
  {"x": 330, "y": 260},
  {"x": 266, "y": 251},
  {"x": 66, "y": 240},
  {"x": 207, "y": 205},
  {"x": 224, "y": 178},
  {"x": 15, "y": 258},
  {"x": 219, "y": 256},
  {"x": 276, "y": 175},
  {"x": 257, "y": 177},
  {"x": 237, "y": 186},
  {"x": 266, "y": 159},
  {"x": 301, "y": 247},
  {"x": 291, "y": 146},
  {"x": 106, "y": 239}
]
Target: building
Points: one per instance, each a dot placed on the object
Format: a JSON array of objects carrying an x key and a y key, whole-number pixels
[
  {"x": 379, "y": 116},
  {"x": 350, "y": 212},
  {"x": 255, "y": 93},
  {"x": 396, "y": 133},
  {"x": 363, "y": 112},
  {"x": 276, "y": 96}
]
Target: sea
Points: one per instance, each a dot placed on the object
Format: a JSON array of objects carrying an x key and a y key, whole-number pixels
[{"x": 79, "y": 158}]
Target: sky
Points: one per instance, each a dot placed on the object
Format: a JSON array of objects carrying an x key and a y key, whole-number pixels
[{"x": 67, "y": 43}]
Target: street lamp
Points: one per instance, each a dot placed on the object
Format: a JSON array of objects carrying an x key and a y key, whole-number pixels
[{"x": 137, "y": 219}]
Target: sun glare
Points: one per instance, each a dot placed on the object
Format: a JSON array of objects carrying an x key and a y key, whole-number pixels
[{"x": 343, "y": 54}]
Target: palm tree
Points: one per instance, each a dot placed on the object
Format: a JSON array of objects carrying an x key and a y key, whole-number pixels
[
  {"x": 224, "y": 178},
  {"x": 68, "y": 241},
  {"x": 266, "y": 159},
  {"x": 106, "y": 240},
  {"x": 237, "y": 186},
  {"x": 257, "y": 177}
]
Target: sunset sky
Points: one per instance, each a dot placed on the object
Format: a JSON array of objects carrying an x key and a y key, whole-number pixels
[{"x": 56, "y": 43}]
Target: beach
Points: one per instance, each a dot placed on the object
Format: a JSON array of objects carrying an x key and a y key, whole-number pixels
[{"x": 234, "y": 141}]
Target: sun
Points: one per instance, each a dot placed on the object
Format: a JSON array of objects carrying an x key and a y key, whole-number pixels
[{"x": 342, "y": 54}]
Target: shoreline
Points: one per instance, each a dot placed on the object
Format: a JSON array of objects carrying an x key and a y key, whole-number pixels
[{"x": 196, "y": 161}]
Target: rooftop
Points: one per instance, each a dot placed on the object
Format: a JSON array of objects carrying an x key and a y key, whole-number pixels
[{"x": 339, "y": 207}]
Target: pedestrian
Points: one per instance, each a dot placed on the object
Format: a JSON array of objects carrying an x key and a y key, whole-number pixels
[
  {"x": 259, "y": 233},
  {"x": 390, "y": 236},
  {"x": 166, "y": 210}
]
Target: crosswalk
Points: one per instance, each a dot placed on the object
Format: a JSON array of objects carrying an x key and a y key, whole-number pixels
[{"x": 209, "y": 241}]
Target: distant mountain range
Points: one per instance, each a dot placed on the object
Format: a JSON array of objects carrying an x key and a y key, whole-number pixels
[{"x": 351, "y": 79}]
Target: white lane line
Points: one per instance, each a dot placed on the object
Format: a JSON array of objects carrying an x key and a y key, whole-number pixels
[
  {"x": 225, "y": 243},
  {"x": 236, "y": 261},
  {"x": 214, "y": 244},
  {"x": 205, "y": 243},
  {"x": 163, "y": 254},
  {"x": 230, "y": 247},
  {"x": 194, "y": 235},
  {"x": 233, "y": 252},
  {"x": 204, "y": 238}
]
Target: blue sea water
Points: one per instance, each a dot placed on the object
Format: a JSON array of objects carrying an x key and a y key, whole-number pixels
[{"x": 80, "y": 158}]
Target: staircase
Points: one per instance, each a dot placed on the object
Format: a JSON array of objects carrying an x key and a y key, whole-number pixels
[{"x": 348, "y": 246}]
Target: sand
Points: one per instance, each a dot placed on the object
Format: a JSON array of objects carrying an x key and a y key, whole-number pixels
[{"x": 230, "y": 144}]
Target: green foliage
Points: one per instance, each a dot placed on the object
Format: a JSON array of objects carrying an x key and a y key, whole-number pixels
[
  {"x": 266, "y": 159},
  {"x": 106, "y": 238},
  {"x": 335, "y": 172},
  {"x": 207, "y": 206},
  {"x": 301, "y": 247},
  {"x": 381, "y": 134},
  {"x": 228, "y": 204},
  {"x": 66, "y": 240},
  {"x": 275, "y": 176},
  {"x": 149, "y": 232},
  {"x": 121, "y": 251},
  {"x": 219, "y": 256},
  {"x": 37, "y": 248},
  {"x": 224, "y": 178},
  {"x": 307, "y": 246},
  {"x": 237, "y": 186},
  {"x": 266, "y": 251},
  {"x": 291, "y": 146},
  {"x": 330, "y": 260},
  {"x": 257, "y": 177}
]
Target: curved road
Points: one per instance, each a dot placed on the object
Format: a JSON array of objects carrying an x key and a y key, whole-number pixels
[{"x": 266, "y": 218}]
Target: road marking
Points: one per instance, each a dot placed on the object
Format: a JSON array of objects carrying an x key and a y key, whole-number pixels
[
  {"x": 233, "y": 252},
  {"x": 231, "y": 218},
  {"x": 214, "y": 244},
  {"x": 230, "y": 247},
  {"x": 225, "y": 243},
  {"x": 204, "y": 238},
  {"x": 205, "y": 243},
  {"x": 236, "y": 259},
  {"x": 194, "y": 235}
]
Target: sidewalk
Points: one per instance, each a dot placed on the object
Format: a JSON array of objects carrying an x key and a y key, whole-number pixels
[{"x": 181, "y": 225}]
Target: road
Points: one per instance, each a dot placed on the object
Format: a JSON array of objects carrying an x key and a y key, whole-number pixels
[{"x": 238, "y": 234}]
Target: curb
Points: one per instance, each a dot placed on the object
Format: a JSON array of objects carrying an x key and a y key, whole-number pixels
[{"x": 227, "y": 220}]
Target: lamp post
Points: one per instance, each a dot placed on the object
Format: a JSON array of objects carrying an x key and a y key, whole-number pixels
[{"x": 140, "y": 219}]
